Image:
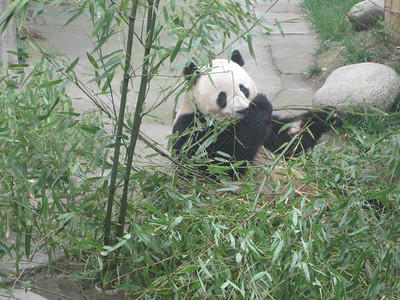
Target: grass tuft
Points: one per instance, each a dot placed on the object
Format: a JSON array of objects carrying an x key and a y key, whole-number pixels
[
  {"x": 341, "y": 41},
  {"x": 314, "y": 70}
]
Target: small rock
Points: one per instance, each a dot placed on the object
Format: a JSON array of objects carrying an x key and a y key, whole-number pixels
[
  {"x": 367, "y": 13},
  {"x": 360, "y": 85}
]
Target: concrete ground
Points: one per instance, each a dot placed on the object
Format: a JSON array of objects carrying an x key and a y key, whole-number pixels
[
  {"x": 279, "y": 72},
  {"x": 20, "y": 294}
]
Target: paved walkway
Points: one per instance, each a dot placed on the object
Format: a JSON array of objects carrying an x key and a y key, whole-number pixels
[
  {"x": 282, "y": 61},
  {"x": 280, "y": 71},
  {"x": 285, "y": 59}
]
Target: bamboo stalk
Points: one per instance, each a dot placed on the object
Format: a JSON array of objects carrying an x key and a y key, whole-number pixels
[
  {"x": 392, "y": 16},
  {"x": 138, "y": 112},
  {"x": 118, "y": 137}
]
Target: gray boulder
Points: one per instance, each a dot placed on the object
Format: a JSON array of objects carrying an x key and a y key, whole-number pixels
[
  {"x": 360, "y": 85},
  {"x": 367, "y": 13}
]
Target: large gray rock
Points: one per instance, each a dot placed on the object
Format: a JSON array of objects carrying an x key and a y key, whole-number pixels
[
  {"x": 375, "y": 84},
  {"x": 367, "y": 13}
]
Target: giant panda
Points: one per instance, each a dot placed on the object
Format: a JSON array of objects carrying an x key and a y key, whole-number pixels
[{"x": 223, "y": 119}]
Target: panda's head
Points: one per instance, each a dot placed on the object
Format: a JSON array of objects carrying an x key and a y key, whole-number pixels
[{"x": 222, "y": 91}]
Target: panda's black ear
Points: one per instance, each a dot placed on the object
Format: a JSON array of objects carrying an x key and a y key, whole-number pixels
[
  {"x": 237, "y": 58},
  {"x": 189, "y": 71}
]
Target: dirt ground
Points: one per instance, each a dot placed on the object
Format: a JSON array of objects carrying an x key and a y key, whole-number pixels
[{"x": 63, "y": 284}]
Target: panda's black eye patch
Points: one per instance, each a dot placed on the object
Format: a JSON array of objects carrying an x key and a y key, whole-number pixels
[
  {"x": 221, "y": 100},
  {"x": 244, "y": 90}
]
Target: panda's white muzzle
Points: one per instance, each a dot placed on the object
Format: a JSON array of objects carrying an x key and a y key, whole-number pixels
[{"x": 240, "y": 104}]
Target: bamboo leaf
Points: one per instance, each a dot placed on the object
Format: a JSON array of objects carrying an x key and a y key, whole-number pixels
[
  {"x": 205, "y": 144},
  {"x": 118, "y": 245},
  {"x": 359, "y": 230},
  {"x": 67, "y": 216},
  {"x": 22, "y": 15},
  {"x": 374, "y": 288},
  {"x": 250, "y": 45},
  {"x": 151, "y": 208},
  {"x": 177, "y": 220},
  {"x": 50, "y": 83},
  {"x": 92, "y": 60},
  {"x": 98, "y": 26},
  {"x": 100, "y": 262},
  {"x": 278, "y": 250},
  {"x": 142, "y": 235},
  {"x": 278, "y": 25},
  {"x": 293, "y": 263},
  {"x": 77, "y": 14},
  {"x": 238, "y": 257},
  {"x": 260, "y": 275},
  {"x": 229, "y": 51},
  {"x": 29, "y": 115},
  {"x": 38, "y": 10},
  {"x": 18, "y": 53},
  {"x": 65, "y": 83},
  {"x": 90, "y": 128},
  {"x": 6, "y": 250},
  {"x": 15, "y": 5},
  {"x": 306, "y": 272},
  {"x": 72, "y": 65},
  {"x": 5, "y": 23},
  {"x": 176, "y": 50},
  {"x": 284, "y": 127},
  {"x": 188, "y": 269},
  {"x": 166, "y": 15},
  {"x": 99, "y": 78},
  {"x": 294, "y": 218}
]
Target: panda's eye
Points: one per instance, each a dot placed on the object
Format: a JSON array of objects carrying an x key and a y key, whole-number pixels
[
  {"x": 244, "y": 90},
  {"x": 221, "y": 100}
]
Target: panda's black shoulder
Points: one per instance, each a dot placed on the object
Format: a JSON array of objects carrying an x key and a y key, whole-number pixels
[{"x": 183, "y": 122}]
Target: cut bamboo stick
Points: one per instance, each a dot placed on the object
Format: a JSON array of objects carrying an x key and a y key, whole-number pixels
[{"x": 392, "y": 17}]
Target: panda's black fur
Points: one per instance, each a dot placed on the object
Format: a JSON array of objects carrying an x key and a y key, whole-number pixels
[
  {"x": 257, "y": 127},
  {"x": 234, "y": 140},
  {"x": 307, "y": 127}
]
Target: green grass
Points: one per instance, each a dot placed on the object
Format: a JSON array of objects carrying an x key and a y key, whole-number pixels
[
  {"x": 338, "y": 34},
  {"x": 314, "y": 70},
  {"x": 330, "y": 18}
]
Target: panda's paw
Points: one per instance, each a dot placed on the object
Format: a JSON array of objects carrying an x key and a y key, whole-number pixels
[
  {"x": 262, "y": 103},
  {"x": 324, "y": 116},
  {"x": 337, "y": 119},
  {"x": 333, "y": 116}
]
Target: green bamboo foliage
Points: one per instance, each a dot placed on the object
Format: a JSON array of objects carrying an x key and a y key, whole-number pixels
[{"x": 256, "y": 238}]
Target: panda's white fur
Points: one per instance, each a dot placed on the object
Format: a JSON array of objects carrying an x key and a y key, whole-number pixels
[{"x": 223, "y": 76}]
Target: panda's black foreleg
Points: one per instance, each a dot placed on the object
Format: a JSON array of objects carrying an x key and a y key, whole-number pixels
[
  {"x": 307, "y": 128},
  {"x": 242, "y": 140}
]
